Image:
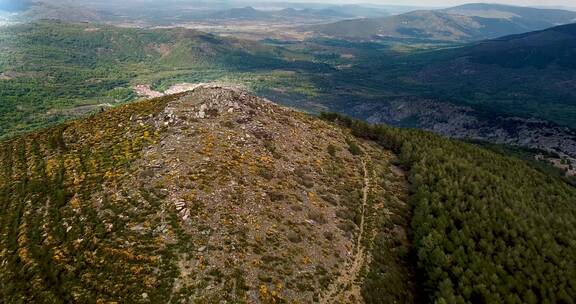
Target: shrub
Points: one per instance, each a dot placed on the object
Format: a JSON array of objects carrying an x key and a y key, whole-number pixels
[
  {"x": 354, "y": 148},
  {"x": 332, "y": 150}
]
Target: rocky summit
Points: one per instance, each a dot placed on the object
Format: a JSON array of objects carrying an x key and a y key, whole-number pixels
[{"x": 208, "y": 196}]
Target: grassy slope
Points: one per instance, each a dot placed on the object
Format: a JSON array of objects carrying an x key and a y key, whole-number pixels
[{"x": 527, "y": 75}]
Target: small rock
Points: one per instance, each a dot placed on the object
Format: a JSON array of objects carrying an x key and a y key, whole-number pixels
[
  {"x": 294, "y": 237},
  {"x": 201, "y": 249}
]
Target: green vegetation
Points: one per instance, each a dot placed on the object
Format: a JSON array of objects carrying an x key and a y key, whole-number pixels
[
  {"x": 526, "y": 86},
  {"x": 530, "y": 156},
  {"x": 391, "y": 275},
  {"x": 485, "y": 227},
  {"x": 52, "y": 71},
  {"x": 92, "y": 211},
  {"x": 56, "y": 247},
  {"x": 354, "y": 148},
  {"x": 332, "y": 150},
  {"x": 534, "y": 86},
  {"x": 488, "y": 228}
]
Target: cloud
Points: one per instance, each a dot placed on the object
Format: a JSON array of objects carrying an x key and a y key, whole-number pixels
[{"x": 14, "y": 5}]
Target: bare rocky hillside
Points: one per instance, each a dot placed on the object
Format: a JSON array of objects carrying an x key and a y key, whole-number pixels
[{"x": 209, "y": 196}]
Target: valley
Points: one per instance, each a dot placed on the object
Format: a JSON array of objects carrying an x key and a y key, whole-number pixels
[
  {"x": 267, "y": 152},
  {"x": 314, "y": 75}
]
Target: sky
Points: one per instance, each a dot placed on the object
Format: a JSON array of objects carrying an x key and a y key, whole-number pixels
[{"x": 14, "y": 5}]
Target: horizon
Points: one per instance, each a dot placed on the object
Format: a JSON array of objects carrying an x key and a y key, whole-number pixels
[{"x": 15, "y": 5}]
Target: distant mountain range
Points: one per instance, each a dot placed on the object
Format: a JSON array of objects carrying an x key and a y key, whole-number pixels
[
  {"x": 38, "y": 56},
  {"x": 176, "y": 12},
  {"x": 531, "y": 73},
  {"x": 239, "y": 13},
  {"x": 471, "y": 22}
]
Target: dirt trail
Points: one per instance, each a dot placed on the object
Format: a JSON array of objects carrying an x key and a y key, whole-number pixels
[{"x": 345, "y": 288}]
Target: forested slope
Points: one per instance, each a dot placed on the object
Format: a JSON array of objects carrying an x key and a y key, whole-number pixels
[{"x": 487, "y": 228}]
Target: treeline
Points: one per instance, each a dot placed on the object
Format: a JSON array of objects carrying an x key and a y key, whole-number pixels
[{"x": 487, "y": 228}]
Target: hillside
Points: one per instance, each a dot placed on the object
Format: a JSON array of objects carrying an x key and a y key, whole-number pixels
[
  {"x": 52, "y": 70},
  {"x": 216, "y": 195},
  {"x": 535, "y": 74},
  {"x": 248, "y": 13},
  {"x": 477, "y": 219},
  {"x": 455, "y": 24},
  {"x": 65, "y": 11},
  {"x": 516, "y": 90},
  {"x": 174, "y": 13},
  {"x": 550, "y": 48},
  {"x": 210, "y": 195}
]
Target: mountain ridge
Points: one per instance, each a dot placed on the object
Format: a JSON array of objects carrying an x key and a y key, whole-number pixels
[
  {"x": 452, "y": 24},
  {"x": 547, "y": 17}
]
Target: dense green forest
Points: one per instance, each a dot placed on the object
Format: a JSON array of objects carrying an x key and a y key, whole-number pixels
[
  {"x": 487, "y": 228},
  {"x": 531, "y": 157}
]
